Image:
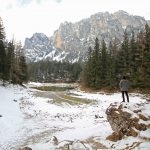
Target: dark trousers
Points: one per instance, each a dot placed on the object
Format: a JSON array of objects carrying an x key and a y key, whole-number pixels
[{"x": 125, "y": 93}]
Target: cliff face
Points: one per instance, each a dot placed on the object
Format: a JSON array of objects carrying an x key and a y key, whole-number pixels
[
  {"x": 102, "y": 25},
  {"x": 75, "y": 38},
  {"x": 37, "y": 47}
]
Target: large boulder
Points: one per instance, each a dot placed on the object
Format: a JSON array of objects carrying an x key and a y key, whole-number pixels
[
  {"x": 117, "y": 118},
  {"x": 123, "y": 122},
  {"x": 115, "y": 136}
]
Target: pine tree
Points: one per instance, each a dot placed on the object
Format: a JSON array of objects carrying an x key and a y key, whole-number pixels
[
  {"x": 2, "y": 52},
  {"x": 104, "y": 63},
  {"x": 134, "y": 54},
  {"x": 10, "y": 60},
  {"x": 123, "y": 62},
  {"x": 98, "y": 64},
  {"x": 95, "y": 66},
  {"x": 111, "y": 63},
  {"x": 146, "y": 56},
  {"x": 92, "y": 68},
  {"x": 19, "y": 67},
  {"x": 140, "y": 47},
  {"x": 86, "y": 74},
  {"x": 135, "y": 60},
  {"x": 23, "y": 69},
  {"x": 23, "y": 74}
]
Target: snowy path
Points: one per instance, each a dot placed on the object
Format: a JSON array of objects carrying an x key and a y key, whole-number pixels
[{"x": 28, "y": 119}]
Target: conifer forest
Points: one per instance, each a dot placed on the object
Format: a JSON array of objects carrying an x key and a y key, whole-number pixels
[{"x": 104, "y": 66}]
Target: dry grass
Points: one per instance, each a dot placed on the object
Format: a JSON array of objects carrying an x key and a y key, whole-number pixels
[
  {"x": 104, "y": 89},
  {"x": 77, "y": 100},
  {"x": 69, "y": 99},
  {"x": 133, "y": 146},
  {"x": 53, "y": 88},
  {"x": 114, "y": 90}
]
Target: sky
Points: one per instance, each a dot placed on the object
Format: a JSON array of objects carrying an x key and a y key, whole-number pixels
[{"x": 23, "y": 18}]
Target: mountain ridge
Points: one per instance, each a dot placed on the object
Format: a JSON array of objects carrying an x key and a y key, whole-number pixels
[{"x": 70, "y": 41}]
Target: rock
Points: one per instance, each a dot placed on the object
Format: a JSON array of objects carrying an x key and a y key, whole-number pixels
[
  {"x": 122, "y": 122},
  {"x": 135, "y": 119},
  {"x": 140, "y": 127},
  {"x": 25, "y": 148},
  {"x": 117, "y": 118},
  {"x": 137, "y": 111},
  {"x": 15, "y": 100},
  {"x": 132, "y": 132},
  {"x": 54, "y": 140},
  {"x": 96, "y": 116},
  {"x": 64, "y": 145},
  {"x": 143, "y": 117},
  {"x": 77, "y": 145},
  {"x": 148, "y": 126},
  {"x": 115, "y": 136}
]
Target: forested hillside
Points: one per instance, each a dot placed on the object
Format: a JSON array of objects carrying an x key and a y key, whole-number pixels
[
  {"x": 106, "y": 65},
  {"x": 53, "y": 71},
  {"x": 13, "y": 66}
]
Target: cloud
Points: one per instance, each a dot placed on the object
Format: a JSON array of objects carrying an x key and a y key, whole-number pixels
[
  {"x": 28, "y": 2},
  {"x": 24, "y": 2},
  {"x": 25, "y": 17},
  {"x": 58, "y": 1},
  {"x": 6, "y": 5}
]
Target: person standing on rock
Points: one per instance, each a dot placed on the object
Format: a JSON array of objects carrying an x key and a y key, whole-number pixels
[{"x": 124, "y": 84}]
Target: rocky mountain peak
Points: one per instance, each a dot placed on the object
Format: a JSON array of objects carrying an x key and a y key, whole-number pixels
[
  {"x": 128, "y": 20},
  {"x": 121, "y": 13},
  {"x": 39, "y": 37},
  {"x": 71, "y": 40},
  {"x": 37, "y": 47}
]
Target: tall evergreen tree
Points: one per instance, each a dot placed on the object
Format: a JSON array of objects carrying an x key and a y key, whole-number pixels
[
  {"x": 86, "y": 74},
  {"x": 2, "y": 52},
  {"x": 111, "y": 60},
  {"x": 131, "y": 58},
  {"x": 10, "y": 58},
  {"x": 135, "y": 60},
  {"x": 140, "y": 45},
  {"x": 94, "y": 65},
  {"x": 23, "y": 69},
  {"x": 146, "y": 56},
  {"x": 98, "y": 65},
  {"x": 104, "y": 64},
  {"x": 123, "y": 62},
  {"x": 134, "y": 54},
  {"x": 22, "y": 66}
]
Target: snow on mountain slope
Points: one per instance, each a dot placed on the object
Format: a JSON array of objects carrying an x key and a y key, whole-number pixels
[
  {"x": 29, "y": 120},
  {"x": 74, "y": 39}
]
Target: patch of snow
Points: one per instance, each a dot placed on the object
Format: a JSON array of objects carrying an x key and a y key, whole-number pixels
[
  {"x": 50, "y": 55},
  {"x": 124, "y": 27},
  {"x": 145, "y": 134},
  {"x": 144, "y": 146},
  {"x": 34, "y": 84},
  {"x": 31, "y": 120}
]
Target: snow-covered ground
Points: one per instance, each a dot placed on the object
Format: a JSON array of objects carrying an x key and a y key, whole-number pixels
[{"x": 28, "y": 120}]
